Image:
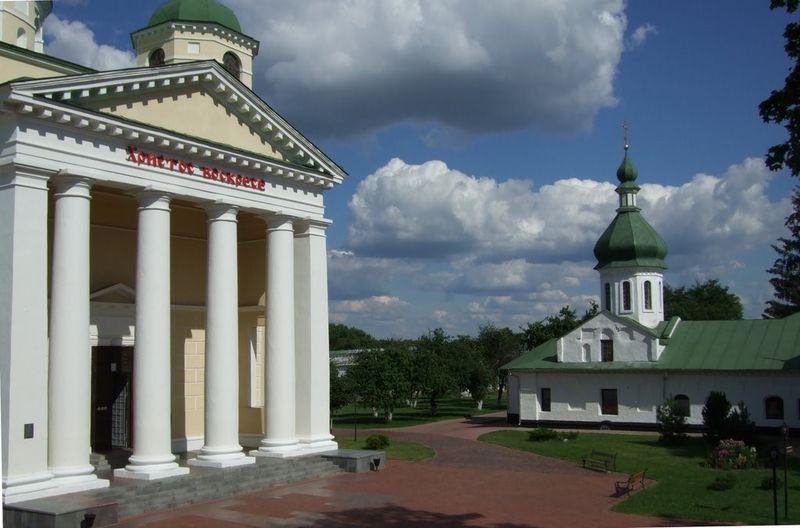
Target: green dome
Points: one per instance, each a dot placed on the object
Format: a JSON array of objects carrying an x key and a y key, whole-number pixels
[
  {"x": 196, "y": 11},
  {"x": 630, "y": 241},
  {"x": 627, "y": 172}
]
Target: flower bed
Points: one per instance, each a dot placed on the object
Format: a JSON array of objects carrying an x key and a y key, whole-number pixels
[{"x": 733, "y": 454}]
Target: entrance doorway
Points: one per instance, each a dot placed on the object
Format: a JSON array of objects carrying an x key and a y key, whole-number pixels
[{"x": 112, "y": 386}]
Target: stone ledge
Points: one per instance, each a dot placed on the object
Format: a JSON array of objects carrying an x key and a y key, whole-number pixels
[{"x": 357, "y": 460}]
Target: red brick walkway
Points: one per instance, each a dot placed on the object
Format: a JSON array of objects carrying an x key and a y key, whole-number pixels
[{"x": 467, "y": 484}]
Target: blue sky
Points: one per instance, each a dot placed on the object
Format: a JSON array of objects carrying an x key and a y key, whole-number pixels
[{"x": 482, "y": 140}]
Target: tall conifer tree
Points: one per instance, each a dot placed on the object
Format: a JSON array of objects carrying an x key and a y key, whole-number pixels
[{"x": 786, "y": 270}]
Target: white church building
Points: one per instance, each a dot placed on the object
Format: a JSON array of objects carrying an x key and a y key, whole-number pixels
[
  {"x": 163, "y": 275},
  {"x": 617, "y": 368}
]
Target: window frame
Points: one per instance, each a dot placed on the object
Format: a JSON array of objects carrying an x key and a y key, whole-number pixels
[
  {"x": 607, "y": 303},
  {"x": 545, "y": 403},
  {"x": 228, "y": 65},
  {"x": 779, "y": 408},
  {"x": 606, "y": 402},
  {"x": 648, "y": 295},
  {"x": 606, "y": 350},
  {"x": 627, "y": 305}
]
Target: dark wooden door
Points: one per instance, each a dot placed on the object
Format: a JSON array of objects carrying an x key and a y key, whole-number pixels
[{"x": 112, "y": 385}]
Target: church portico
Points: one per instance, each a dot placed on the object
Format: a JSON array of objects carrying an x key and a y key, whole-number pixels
[{"x": 169, "y": 287}]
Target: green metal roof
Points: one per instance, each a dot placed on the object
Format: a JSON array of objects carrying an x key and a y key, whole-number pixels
[
  {"x": 745, "y": 345},
  {"x": 196, "y": 11}
]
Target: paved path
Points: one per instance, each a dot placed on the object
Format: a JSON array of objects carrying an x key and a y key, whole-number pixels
[{"x": 467, "y": 484}]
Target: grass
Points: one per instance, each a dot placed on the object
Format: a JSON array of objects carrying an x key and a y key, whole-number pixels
[
  {"x": 397, "y": 450},
  {"x": 406, "y": 416},
  {"x": 682, "y": 491}
]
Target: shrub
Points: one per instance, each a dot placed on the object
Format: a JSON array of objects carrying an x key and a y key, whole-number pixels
[
  {"x": 541, "y": 434},
  {"x": 740, "y": 426},
  {"x": 723, "y": 482},
  {"x": 568, "y": 435},
  {"x": 672, "y": 422},
  {"x": 377, "y": 441},
  {"x": 767, "y": 483},
  {"x": 733, "y": 454}
]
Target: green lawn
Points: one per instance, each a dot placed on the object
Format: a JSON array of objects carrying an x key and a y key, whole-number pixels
[
  {"x": 682, "y": 490},
  {"x": 406, "y": 416},
  {"x": 397, "y": 450}
]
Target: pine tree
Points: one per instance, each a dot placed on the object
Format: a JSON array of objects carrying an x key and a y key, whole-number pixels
[{"x": 786, "y": 270}]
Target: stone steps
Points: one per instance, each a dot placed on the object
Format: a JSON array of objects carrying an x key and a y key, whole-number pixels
[{"x": 137, "y": 497}]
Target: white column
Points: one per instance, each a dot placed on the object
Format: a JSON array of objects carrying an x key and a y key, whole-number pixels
[
  {"x": 70, "y": 379},
  {"x": 221, "y": 448},
  {"x": 279, "y": 371},
  {"x": 311, "y": 336},
  {"x": 152, "y": 457},
  {"x": 23, "y": 333}
]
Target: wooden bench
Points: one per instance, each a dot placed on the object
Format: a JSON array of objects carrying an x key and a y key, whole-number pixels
[
  {"x": 626, "y": 486},
  {"x": 600, "y": 461}
]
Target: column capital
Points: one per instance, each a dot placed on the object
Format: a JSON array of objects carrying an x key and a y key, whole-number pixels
[
  {"x": 312, "y": 226},
  {"x": 17, "y": 175},
  {"x": 221, "y": 212},
  {"x": 279, "y": 221},
  {"x": 153, "y": 199},
  {"x": 69, "y": 184}
]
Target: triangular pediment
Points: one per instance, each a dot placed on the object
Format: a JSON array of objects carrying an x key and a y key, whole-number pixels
[
  {"x": 199, "y": 101},
  {"x": 116, "y": 293}
]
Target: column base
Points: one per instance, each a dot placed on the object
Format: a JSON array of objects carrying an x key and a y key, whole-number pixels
[
  {"x": 318, "y": 445},
  {"x": 222, "y": 461},
  {"x": 278, "y": 449},
  {"x": 151, "y": 472},
  {"x": 80, "y": 483},
  {"x": 29, "y": 487}
]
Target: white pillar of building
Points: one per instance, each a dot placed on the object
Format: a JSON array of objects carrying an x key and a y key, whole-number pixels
[
  {"x": 280, "y": 439},
  {"x": 23, "y": 333},
  {"x": 311, "y": 336},
  {"x": 221, "y": 447},
  {"x": 152, "y": 457},
  {"x": 69, "y": 415}
]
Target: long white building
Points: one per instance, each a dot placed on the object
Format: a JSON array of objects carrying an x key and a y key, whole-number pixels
[
  {"x": 163, "y": 276},
  {"x": 618, "y": 367}
]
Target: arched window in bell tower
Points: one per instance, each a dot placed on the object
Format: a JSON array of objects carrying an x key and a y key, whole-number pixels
[
  {"x": 626, "y": 296},
  {"x": 648, "y": 295},
  {"x": 232, "y": 63},
  {"x": 607, "y": 297},
  {"x": 156, "y": 58}
]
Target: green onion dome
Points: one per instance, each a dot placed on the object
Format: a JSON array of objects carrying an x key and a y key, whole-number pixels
[
  {"x": 196, "y": 11},
  {"x": 629, "y": 241}
]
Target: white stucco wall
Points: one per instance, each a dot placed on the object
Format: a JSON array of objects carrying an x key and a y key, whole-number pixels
[
  {"x": 582, "y": 345},
  {"x": 575, "y": 397}
]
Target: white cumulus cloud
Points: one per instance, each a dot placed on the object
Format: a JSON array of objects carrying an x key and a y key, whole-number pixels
[
  {"x": 75, "y": 42},
  {"x": 640, "y": 35},
  {"x": 348, "y": 67}
]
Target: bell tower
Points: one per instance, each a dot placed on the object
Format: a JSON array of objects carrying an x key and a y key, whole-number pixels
[
  {"x": 630, "y": 257},
  {"x": 194, "y": 30}
]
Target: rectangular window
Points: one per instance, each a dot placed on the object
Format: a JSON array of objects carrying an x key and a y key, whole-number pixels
[
  {"x": 606, "y": 350},
  {"x": 193, "y": 48},
  {"x": 648, "y": 296},
  {"x": 608, "y": 401},
  {"x": 545, "y": 400},
  {"x": 607, "y": 300}
]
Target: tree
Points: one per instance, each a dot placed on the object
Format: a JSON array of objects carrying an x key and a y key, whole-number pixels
[
  {"x": 436, "y": 366},
  {"x": 672, "y": 421},
  {"x": 340, "y": 391},
  {"x": 715, "y": 415},
  {"x": 783, "y": 106},
  {"x": 498, "y": 346},
  {"x": 343, "y": 337},
  {"x": 709, "y": 301},
  {"x": 786, "y": 270},
  {"x": 554, "y": 326},
  {"x": 381, "y": 378}
]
